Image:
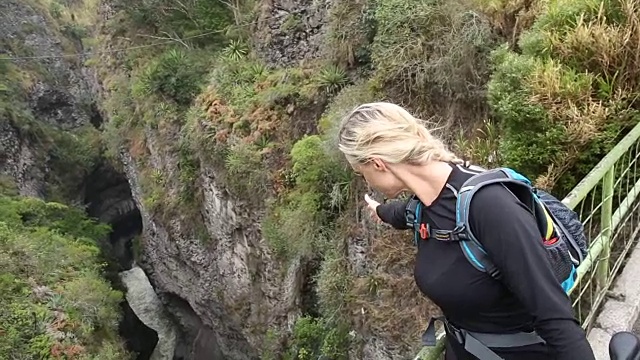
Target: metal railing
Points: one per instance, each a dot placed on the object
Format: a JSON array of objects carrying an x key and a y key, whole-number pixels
[{"x": 607, "y": 202}]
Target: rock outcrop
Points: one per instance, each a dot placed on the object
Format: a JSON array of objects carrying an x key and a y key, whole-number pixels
[
  {"x": 223, "y": 291},
  {"x": 20, "y": 160},
  {"x": 289, "y": 31},
  {"x": 149, "y": 309},
  {"x": 229, "y": 282},
  {"x": 60, "y": 94}
]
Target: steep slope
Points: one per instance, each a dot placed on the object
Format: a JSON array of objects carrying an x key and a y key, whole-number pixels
[
  {"x": 39, "y": 97},
  {"x": 201, "y": 245},
  {"x": 51, "y": 149},
  {"x": 54, "y": 300}
]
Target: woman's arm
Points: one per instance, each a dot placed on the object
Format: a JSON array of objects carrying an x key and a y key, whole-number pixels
[
  {"x": 392, "y": 213},
  {"x": 511, "y": 238}
]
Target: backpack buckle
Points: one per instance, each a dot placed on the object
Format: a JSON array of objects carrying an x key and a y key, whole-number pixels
[
  {"x": 424, "y": 231},
  {"x": 457, "y": 234}
]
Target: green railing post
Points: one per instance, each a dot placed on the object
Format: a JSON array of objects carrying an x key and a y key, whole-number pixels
[{"x": 606, "y": 214}]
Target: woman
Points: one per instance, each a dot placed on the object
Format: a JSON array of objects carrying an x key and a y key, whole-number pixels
[{"x": 396, "y": 153}]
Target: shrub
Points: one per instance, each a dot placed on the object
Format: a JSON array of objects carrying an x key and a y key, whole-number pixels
[
  {"x": 509, "y": 18},
  {"x": 174, "y": 75},
  {"x": 190, "y": 18},
  {"x": 351, "y": 31},
  {"x": 317, "y": 170},
  {"x": 427, "y": 54},
  {"x": 563, "y": 99},
  {"x": 14, "y": 82},
  {"x": 72, "y": 156},
  {"x": 334, "y": 281},
  {"x": 246, "y": 175},
  {"x": 530, "y": 140},
  {"x": 314, "y": 338},
  {"x": 52, "y": 293},
  {"x": 332, "y": 79},
  {"x": 601, "y": 38},
  {"x": 296, "y": 225},
  {"x": 481, "y": 146}
]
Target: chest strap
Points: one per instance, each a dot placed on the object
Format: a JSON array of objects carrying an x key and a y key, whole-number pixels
[{"x": 479, "y": 344}]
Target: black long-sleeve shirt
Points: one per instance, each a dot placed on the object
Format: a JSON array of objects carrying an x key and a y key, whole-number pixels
[{"x": 527, "y": 297}]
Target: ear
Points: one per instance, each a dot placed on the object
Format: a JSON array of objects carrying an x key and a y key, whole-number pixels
[{"x": 379, "y": 164}]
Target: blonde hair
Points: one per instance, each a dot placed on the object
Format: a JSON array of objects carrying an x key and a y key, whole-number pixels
[{"x": 389, "y": 132}]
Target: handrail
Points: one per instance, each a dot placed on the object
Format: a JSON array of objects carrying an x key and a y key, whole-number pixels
[
  {"x": 579, "y": 192},
  {"x": 599, "y": 256}
]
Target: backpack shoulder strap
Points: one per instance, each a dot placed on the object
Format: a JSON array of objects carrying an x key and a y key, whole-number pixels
[
  {"x": 473, "y": 250},
  {"x": 413, "y": 216}
]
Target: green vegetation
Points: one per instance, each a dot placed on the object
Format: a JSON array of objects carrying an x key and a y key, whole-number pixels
[
  {"x": 546, "y": 88},
  {"x": 432, "y": 56},
  {"x": 69, "y": 154},
  {"x": 55, "y": 302},
  {"x": 570, "y": 94},
  {"x": 312, "y": 338}
]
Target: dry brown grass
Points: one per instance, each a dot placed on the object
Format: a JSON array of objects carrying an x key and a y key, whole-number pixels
[
  {"x": 387, "y": 302},
  {"x": 138, "y": 144},
  {"x": 605, "y": 46},
  {"x": 348, "y": 31},
  {"x": 592, "y": 79},
  {"x": 432, "y": 58},
  {"x": 510, "y": 18}
]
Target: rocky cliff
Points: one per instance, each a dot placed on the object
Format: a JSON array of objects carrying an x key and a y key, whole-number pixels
[
  {"x": 212, "y": 266},
  {"x": 206, "y": 128},
  {"x": 52, "y": 91},
  {"x": 235, "y": 276}
]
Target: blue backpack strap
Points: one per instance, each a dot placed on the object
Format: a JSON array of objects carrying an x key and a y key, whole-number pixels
[
  {"x": 413, "y": 218},
  {"x": 471, "y": 247}
]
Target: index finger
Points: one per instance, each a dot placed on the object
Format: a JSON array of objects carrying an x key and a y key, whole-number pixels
[{"x": 370, "y": 201}]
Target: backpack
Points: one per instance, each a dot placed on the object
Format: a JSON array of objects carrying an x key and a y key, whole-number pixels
[{"x": 561, "y": 230}]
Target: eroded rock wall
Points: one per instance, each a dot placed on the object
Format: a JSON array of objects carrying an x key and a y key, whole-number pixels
[{"x": 289, "y": 31}]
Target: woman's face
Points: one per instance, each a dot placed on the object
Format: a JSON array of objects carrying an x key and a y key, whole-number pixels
[{"x": 380, "y": 178}]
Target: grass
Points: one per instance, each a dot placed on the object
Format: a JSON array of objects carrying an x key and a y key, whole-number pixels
[
  {"x": 351, "y": 30},
  {"x": 568, "y": 92}
]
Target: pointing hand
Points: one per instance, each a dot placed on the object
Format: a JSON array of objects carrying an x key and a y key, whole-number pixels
[{"x": 373, "y": 205}]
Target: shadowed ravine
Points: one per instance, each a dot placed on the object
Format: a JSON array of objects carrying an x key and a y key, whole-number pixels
[
  {"x": 108, "y": 199},
  {"x": 155, "y": 326}
]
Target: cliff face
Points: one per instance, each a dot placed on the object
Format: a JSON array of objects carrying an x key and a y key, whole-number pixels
[
  {"x": 212, "y": 267},
  {"x": 229, "y": 284},
  {"x": 19, "y": 162},
  {"x": 53, "y": 91},
  {"x": 206, "y": 127},
  {"x": 246, "y": 225},
  {"x": 287, "y": 32},
  {"x": 204, "y": 244},
  {"x": 49, "y": 119}
]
